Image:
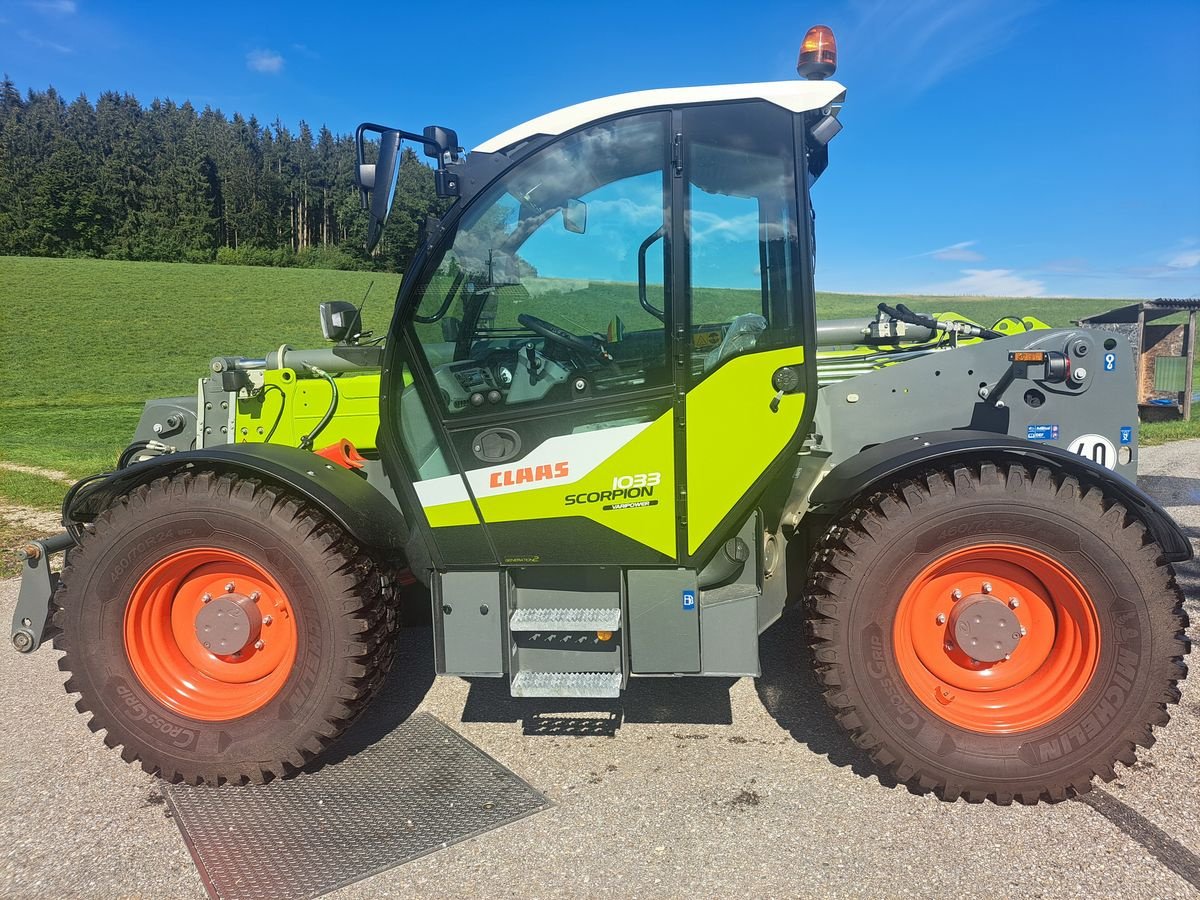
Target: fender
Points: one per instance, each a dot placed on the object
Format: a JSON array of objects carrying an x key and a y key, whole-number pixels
[
  {"x": 361, "y": 509},
  {"x": 891, "y": 459}
]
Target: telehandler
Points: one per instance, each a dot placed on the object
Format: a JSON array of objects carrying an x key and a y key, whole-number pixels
[{"x": 602, "y": 416}]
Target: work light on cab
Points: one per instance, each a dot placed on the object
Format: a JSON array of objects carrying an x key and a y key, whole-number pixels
[{"x": 818, "y": 54}]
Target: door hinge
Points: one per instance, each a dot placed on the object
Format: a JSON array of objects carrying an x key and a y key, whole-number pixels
[{"x": 677, "y": 154}]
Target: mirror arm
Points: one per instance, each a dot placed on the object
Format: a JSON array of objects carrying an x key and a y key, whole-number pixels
[
  {"x": 360, "y": 149},
  {"x": 381, "y": 129},
  {"x": 641, "y": 259}
]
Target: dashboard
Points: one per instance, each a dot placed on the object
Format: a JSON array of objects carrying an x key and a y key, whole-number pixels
[{"x": 502, "y": 377}]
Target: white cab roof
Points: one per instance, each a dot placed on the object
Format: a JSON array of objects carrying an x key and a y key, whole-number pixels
[{"x": 797, "y": 96}]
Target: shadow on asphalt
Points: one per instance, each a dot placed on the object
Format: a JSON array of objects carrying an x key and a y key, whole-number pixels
[
  {"x": 406, "y": 686},
  {"x": 787, "y": 688},
  {"x": 1171, "y": 490},
  {"x": 791, "y": 694},
  {"x": 683, "y": 701}
]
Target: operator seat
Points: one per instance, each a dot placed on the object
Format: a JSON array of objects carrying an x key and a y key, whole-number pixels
[{"x": 740, "y": 337}]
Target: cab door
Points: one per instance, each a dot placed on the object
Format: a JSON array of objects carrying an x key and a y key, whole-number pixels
[
  {"x": 744, "y": 298},
  {"x": 540, "y": 337},
  {"x": 593, "y": 347}
]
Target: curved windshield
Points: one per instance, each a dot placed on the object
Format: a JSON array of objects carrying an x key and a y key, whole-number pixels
[{"x": 552, "y": 286}]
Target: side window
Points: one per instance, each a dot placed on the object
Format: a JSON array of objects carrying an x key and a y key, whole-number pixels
[
  {"x": 742, "y": 231},
  {"x": 554, "y": 283}
]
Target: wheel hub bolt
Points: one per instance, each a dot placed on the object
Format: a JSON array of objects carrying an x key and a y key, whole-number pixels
[
  {"x": 941, "y": 618},
  {"x": 258, "y": 645},
  {"x": 206, "y": 597},
  {"x": 254, "y": 595},
  {"x": 984, "y": 628},
  {"x": 956, "y": 594},
  {"x": 949, "y": 645},
  {"x": 1023, "y": 631},
  {"x": 1013, "y": 602},
  {"x": 227, "y": 625},
  {"x": 267, "y": 620},
  {"x": 229, "y": 587},
  {"x": 987, "y": 587}
]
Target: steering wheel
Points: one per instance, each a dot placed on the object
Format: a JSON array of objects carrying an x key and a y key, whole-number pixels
[{"x": 590, "y": 347}]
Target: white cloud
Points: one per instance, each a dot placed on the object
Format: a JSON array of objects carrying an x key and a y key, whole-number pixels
[
  {"x": 708, "y": 226},
  {"x": 960, "y": 252},
  {"x": 36, "y": 41},
  {"x": 56, "y": 7},
  {"x": 267, "y": 61},
  {"x": 623, "y": 211},
  {"x": 989, "y": 283},
  {"x": 1188, "y": 259},
  {"x": 937, "y": 37}
]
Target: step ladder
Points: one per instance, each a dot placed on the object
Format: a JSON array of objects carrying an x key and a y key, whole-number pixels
[{"x": 565, "y": 652}]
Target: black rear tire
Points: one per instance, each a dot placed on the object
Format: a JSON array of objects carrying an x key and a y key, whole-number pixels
[
  {"x": 860, "y": 570},
  {"x": 345, "y": 615}
]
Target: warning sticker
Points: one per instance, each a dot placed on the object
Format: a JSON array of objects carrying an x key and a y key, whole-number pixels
[{"x": 1042, "y": 432}]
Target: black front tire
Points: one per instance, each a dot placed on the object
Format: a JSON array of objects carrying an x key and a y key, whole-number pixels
[{"x": 345, "y": 614}]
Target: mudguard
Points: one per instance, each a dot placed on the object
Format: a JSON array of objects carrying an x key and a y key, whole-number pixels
[
  {"x": 893, "y": 459},
  {"x": 366, "y": 514}
]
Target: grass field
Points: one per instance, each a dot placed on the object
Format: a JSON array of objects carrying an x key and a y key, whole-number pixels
[{"x": 85, "y": 342}]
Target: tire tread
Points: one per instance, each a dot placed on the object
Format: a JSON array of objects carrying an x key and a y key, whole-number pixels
[
  {"x": 363, "y": 597},
  {"x": 878, "y": 515}
]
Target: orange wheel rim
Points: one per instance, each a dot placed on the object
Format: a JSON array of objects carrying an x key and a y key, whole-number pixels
[
  {"x": 996, "y": 639},
  {"x": 210, "y": 634}
]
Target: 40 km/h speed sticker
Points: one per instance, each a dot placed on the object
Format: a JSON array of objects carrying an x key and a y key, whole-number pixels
[{"x": 1097, "y": 448}]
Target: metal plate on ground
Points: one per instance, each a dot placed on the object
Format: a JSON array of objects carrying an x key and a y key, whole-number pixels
[{"x": 416, "y": 789}]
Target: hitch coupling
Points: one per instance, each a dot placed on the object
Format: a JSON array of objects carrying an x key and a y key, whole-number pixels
[{"x": 38, "y": 585}]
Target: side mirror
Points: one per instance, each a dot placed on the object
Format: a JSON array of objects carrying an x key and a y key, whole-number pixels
[
  {"x": 574, "y": 216},
  {"x": 340, "y": 321},
  {"x": 376, "y": 181},
  {"x": 441, "y": 144}
]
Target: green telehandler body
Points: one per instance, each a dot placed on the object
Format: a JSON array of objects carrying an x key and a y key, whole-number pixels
[{"x": 608, "y": 434}]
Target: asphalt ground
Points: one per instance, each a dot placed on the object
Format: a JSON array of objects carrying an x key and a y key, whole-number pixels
[{"x": 708, "y": 788}]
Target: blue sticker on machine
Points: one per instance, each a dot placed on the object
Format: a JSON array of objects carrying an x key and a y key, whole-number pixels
[
  {"x": 1126, "y": 434},
  {"x": 1042, "y": 432},
  {"x": 1110, "y": 362},
  {"x": 689, "y": 600}
]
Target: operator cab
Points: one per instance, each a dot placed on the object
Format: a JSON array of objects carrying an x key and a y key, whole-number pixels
[
  {"x": 574, "y": 321},
  {"x": 555, "y": 285}
]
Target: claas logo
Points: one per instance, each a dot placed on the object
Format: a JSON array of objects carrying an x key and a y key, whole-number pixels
[{"x": 547, "y": 472}]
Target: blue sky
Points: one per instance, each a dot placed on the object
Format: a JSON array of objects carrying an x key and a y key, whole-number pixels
[{"x": 1009, "y": 147}]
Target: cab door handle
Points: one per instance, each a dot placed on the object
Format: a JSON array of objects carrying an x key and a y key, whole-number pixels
[
  {"x": 786, "y": 380},
  {"x": 496, "y": 445}
]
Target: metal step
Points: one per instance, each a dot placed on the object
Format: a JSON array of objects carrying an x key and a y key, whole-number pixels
[
  {"x": 565, "y": 620},
  {"x": 567, "y": 684}
]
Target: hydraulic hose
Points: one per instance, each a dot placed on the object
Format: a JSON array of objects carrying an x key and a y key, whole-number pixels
[
  {"x": 156, "y": 446},
  {"x": 902, "y": 313},
  {"x": 306, "y": 442}
]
